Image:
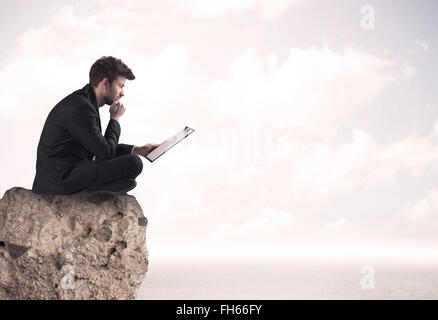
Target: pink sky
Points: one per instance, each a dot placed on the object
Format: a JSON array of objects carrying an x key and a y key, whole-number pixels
[{"x": 313, "y": 137}]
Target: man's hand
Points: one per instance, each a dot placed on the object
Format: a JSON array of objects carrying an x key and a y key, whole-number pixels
[
  {"x": 116, "y": 110},
  {"x": 144, "y": 150}
]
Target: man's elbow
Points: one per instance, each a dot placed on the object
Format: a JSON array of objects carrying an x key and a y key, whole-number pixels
[{"x": 105, "y": 154}]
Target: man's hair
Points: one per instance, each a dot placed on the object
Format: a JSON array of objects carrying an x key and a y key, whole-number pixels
[{"x": 110, "y": 68}]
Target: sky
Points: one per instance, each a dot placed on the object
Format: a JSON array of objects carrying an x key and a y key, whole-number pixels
[{"x": 316, "y": 122}]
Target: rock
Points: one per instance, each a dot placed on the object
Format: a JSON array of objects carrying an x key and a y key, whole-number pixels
[{"x": 80, "y": 246}]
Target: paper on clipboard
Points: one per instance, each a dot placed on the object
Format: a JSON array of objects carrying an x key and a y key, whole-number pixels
[{"x": 169, "y": 143}]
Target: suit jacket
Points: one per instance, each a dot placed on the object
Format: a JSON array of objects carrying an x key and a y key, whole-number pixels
[{"x": 71, "y": 137}]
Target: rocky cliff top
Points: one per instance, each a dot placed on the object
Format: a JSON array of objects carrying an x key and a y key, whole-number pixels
[{"x": 80, "y": 246}]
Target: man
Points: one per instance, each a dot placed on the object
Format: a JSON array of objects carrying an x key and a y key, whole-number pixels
[{"x": 72, "y": 153}]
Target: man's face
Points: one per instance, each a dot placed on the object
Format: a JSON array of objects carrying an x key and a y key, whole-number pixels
[{"x": 114, "y": 90}]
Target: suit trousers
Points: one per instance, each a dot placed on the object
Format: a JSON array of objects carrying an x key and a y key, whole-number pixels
[{"x": 123, "y": 167}]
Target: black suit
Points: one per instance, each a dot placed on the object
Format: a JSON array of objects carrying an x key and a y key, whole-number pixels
[{"x": 71, "y": 137}]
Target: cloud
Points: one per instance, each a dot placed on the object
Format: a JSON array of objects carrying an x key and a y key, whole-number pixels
[
  {"x": 267, "y": 10},
  {"x": 423, "y": 210},
  {"x": 335, "y": 227},
  {"x": 73, "y": 38},
  {"x": 58, "y": 56},
  {"x": 312, "y": 89},
  {"x": 265, "y": 130},
  {"x": 422, "y": 44},
  {"x": 268, "y": 226},
  {"x": 317, "y": 168},
  {"x": 308, "y": 93}
]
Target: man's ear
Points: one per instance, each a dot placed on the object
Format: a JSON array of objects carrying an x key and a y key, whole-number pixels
[{"x": 105, "y": 83}]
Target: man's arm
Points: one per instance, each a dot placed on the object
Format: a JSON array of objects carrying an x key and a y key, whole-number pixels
[
  {"x": 144, "y": 150},
  {"x": 123, "y": 149},
  {"x": 117, "y": 110},
  {"x": 83, "y": 127}
]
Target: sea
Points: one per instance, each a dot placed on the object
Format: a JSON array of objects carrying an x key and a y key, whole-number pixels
[{"x": 289, "y": 280}]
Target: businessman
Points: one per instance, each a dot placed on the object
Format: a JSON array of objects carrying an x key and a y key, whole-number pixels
[{"x": 72, "y": 153}]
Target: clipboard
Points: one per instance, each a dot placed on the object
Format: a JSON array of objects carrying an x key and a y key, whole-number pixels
[{"x": 168, "y": 144}]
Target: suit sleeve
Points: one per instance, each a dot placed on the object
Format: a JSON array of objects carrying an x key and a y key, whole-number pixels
[
  {"x": 123, "y": 149},
  {"x": 83, "y": 126}
]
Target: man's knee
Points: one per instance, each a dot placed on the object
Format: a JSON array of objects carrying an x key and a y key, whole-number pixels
[{"x": 136, "y": 164}]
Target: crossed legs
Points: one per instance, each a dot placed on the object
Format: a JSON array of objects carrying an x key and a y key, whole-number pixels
[{"x": 116, "y": 170}]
